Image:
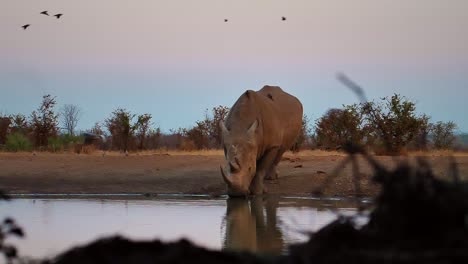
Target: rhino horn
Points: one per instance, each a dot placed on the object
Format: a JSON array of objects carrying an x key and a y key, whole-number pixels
[
  {"x": 234, "y": 166},
  {"x": 237, "y": 162},
  {"x": 225, "y": 178},
  {"x": 252, "y": 129}
]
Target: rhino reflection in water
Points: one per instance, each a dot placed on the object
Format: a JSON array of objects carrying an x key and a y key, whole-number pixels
[
  {"x": 259, "y": 128},
  {"x": 251, "y": 225}
]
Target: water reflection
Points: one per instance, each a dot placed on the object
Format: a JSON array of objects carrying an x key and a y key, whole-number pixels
[
  {"x": 268, "y": 224},
  {"x": 252, "y": 225}
]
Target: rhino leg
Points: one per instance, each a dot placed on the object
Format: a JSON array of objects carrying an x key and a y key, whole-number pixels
[
  {"x": 256, "y": 186},
  {"x": 272, "y": 174},
  {"x": 263, "y": 167},
  {"x": 273, "y": 171}
]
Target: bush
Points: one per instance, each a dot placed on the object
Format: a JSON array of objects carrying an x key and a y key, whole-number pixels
[
  {"x": 44, "y": 121},
  {"x": 462, "y": 142},
  {"x": 198, "y": 135},
  {"x": 4, "y": 127},
  {"x": 19, "y": 124},
  {"x": 387, "y": 126},
  {"x": 153, "y": 139},
  {"x": 188, "y": 145},
  {"x": 78, "y": 148},
  {"x": 302, "y": 140},
  {"x": 339, "y": 126},
  {"x": 206, "y": 134},
  {"x": 219, "y": 113},
  {"x": 55, "y": 144},
  {"x": 121, "y": 128},
  {"x": 18, "y": 142},
  {"x": 142, "y": 128},
  {"x": 88, "y": 149},
  {"x": 443, "y": 134},
  {"x": 69, "y": 140},
  {"x": 393, "y": 123},
  {"x": 63, "y": 142}
]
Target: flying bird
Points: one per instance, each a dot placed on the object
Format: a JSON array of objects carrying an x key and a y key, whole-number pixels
[
  {"x": 44, "y": 13},
  {"x": 25, "y": 26},
  {"x": 283, "y": 18},
  {"x": 58, "y": 15}
]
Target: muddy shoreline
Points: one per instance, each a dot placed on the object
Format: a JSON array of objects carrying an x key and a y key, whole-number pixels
[{"x": 153, "y": 174}]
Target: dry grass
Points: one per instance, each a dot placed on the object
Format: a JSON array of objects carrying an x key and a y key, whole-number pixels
[
  {"x": 203, "y": 152},
  {"x": 316, "y": 153},
  {"x": 218, "y": 152},
  {"x": 439, "y": 153}
]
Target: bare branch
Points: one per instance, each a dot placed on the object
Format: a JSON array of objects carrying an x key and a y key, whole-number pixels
[{"x": 70, "y": 115}]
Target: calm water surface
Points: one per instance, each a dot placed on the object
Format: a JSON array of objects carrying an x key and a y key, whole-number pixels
[{"x": 259, "y": 225}]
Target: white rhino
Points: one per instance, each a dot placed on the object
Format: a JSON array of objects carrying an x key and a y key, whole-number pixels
[{"x": 259, "y": 128}]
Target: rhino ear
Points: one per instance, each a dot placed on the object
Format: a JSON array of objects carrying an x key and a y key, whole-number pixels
[
  {"x": 252, "y": 129},
  {"x": 224, "y": 129}
]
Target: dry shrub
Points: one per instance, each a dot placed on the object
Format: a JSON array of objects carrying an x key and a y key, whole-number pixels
[
  {"x": 121, "y": 128},
  {"x": 187, "y": 145},
  {"x": 303, "y": 139},
  {"x": 339, "y": 126},
  {"x": 85, "y": 149},
  {"x": 44, "y": 121},
  {"x": 4, "y": 126},
  {"x": 88, "y": 149},
  {"x": 78, "y": 148}
]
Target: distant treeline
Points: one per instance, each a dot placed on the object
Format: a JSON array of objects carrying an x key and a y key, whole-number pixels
[{"x": 388, "y": 126}]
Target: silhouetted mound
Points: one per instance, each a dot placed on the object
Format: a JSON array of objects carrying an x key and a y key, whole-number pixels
[
  {"x": 417, "y": 219},
  {"x": 120, "y": 250}
]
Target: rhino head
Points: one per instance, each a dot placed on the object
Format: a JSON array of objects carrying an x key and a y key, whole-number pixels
[{"x": 240, "y": 151}]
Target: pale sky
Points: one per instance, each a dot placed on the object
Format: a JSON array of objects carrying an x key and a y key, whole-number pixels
[{"x": 175, "y": 58}]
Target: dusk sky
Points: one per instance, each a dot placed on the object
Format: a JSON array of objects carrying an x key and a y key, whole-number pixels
[{"x": 175, "y": 58}]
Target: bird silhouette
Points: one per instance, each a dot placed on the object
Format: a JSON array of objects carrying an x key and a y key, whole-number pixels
[
  {"x": 25, "y": 26},
  {"x": 58, "y": 15},
  {"x": 283, "y": 18},
  {"x": 225, "y": 20},
  {"x": 44, "y": 13}
]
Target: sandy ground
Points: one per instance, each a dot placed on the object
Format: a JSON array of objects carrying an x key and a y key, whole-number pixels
[{"x": 184, "y": 172}]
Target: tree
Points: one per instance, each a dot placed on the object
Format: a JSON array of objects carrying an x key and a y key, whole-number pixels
[
  {"x": 19, "y": 124},
  {"x": 214, "y": 130},
  {"x": 301, "y": 140},
  {"x": 142, "y": 126},
  {"x": 120, "y": 128},
  {"x": 206, "y": 133},
  {"x": 177, "y": 137},
  {"x": 199, "y": 134},
  {"x": 393, "y": 122},
  {"x": 339, "y": 126},
  {"x": 443, "y": 134},
  {"x": 70, "y": 115},
  {"x": 44, "y": 121},
  {"x": 462, "y": 141},
  {"x": 4, "y": 127},
  {"x": 97, "y": 129},
  {"x": 154, "y": 138}
]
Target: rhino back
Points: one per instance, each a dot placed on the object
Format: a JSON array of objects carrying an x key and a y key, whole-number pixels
[
  {"x": 282, "y": 116},
  {"x": 279, "y": 115}
]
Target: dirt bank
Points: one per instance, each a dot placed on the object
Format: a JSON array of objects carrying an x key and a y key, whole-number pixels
[{"x": 179, "y": 172}]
